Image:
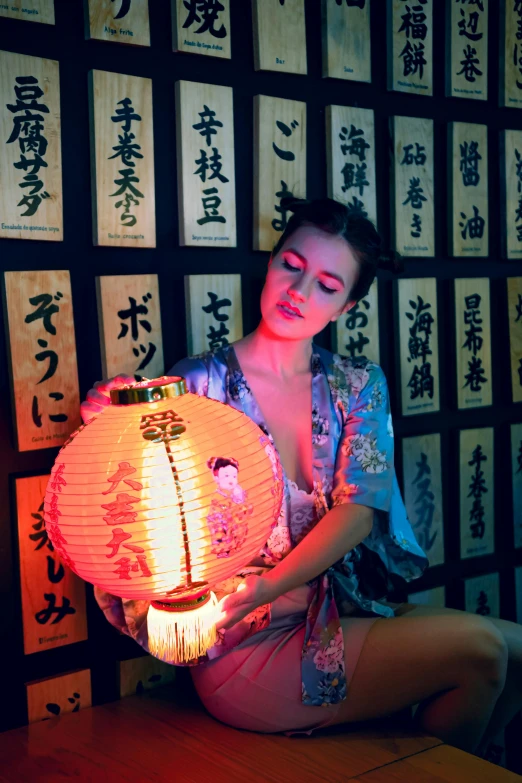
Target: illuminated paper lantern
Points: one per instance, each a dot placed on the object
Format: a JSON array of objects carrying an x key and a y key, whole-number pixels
[{"x": 159, "y": 497}]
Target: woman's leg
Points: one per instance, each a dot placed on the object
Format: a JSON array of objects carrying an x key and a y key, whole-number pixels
[{"x": 458, "y": 663}]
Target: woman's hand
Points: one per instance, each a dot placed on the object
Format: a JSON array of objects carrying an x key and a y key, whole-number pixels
[
  {"x": 251, "y": 593},
  {"x": 99, "y": 396}
]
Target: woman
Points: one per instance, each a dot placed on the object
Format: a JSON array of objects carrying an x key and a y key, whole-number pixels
[{"x": 309, "y": 639}]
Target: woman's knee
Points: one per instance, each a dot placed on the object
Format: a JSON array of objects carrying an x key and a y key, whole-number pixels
[{"x": 489, "y": 652}]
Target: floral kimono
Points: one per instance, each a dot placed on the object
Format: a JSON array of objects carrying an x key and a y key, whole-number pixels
[{"x": 353, "y": 451}]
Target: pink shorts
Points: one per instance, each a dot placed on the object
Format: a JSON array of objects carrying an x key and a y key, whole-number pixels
[{"x": 257, "y": 685}]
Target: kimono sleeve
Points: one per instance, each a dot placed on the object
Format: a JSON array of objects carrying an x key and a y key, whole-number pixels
[
  {"x": 195, "y": 372},
  {"x": 364, "y": 462}
]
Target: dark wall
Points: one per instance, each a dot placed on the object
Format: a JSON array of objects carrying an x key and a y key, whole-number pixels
[{"x": 65, "y": 42}]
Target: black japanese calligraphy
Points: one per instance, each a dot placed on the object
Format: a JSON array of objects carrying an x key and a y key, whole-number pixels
[
  {"x": 217, "y": 338},
  {"x": 477, "y": 488},
  {"x": 475, "y": 378},
  {"x": 518, "y": 211},
  {"x": 127, "y": 150},
  {"x": 124, "y": 8},
  {"x": 421, "y": 381},
  {"x": 207, "y": 128},
  {"x": 204, "y": 13},
  {"x": 142, "y": 351},
  {"x": 471, "y": 27},
  {"x": 473, "y": 226},
  {"x": 469, "y": 163},
  {"x": 414, "y": 155}
]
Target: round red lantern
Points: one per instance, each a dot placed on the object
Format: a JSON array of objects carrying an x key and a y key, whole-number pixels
[{"x": 160, "y": 496}]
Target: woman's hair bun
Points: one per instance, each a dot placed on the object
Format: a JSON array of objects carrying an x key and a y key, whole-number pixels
[
  {"x": 390, "y": 260},
  {"x": 292, "y": 203}
]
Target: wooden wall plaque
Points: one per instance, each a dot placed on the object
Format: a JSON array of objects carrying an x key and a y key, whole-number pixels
[
  {"x": 53, "y": 597},
  {"x": 30, "y": 208},
  {"x": 143, "y": 674},
  {"x": 467, "y": 47},
  {"x": 213, "y": 310},
  {"x": 206, "y": 169},
  {"x": 38, "y": 314},
  {"x": 511, "y": 192},
  {"x": 510, "y": 50},
  {"x": 422, "y": 468},
  {"x": 482, "y": 595},
  {"x": 468, "y": 189},
  {"x": 124, "y": 212},
  {"x": 29, "y": 10},
  {"x": 477, "y": 491},
  {"x": 414, "y": 204},
  {"x": 516, "y": 465},
  {"x": 346, "y": 40},
  {"x": 129, "y": 320},
  {"x": 197, "y": 30},
  {"x": 279, "y": 35},
  {"x": 419, "y": 345},
  {"x": 410, "y": 46},
  {"x": 55, "y": 696},
  {"x": 356, "y": 333},
  {"x": 350, "y": 159},
  {"x": 514, "y": 296},
  {"x": 120, "y": 21},
  {"x": 279, "y": 164},
  {"x": 473, "y": 342}
]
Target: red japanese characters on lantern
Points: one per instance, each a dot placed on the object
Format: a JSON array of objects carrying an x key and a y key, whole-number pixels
[{"x": 160, "y": 496}]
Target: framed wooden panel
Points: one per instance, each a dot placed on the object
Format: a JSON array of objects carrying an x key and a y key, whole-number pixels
[
  {"x": 346, "y": 40},
  {"x": 122, "y": 149},
  {"x": 419, "y": 345},
  {"x": 467, "y": 47},
  {"x": 29, "y": 10},
  {"x": 468, "y": 189},
  {"x": 510, "y": 50},
  {"x": 477, "y": 516},
  {"x": 482, "y": 595},
  {"x": 53, "y": 597},
  {"x": 511, "y": 192},
  {"x": 206, "y": 170},
  {"x": 473, "y": 342},
  {"x": 31, "y": 155},
  {"x": 213, "y": 311},
  {"x": 143, "y": 674},
  {"x": 279, "y": 35},
  {"x": 200, "y": 30},
  {"x": 356, "y": 333},
  {"x": 413, "y": 192},
  {"x": 121, "y": 21},
  {"x": 516, "y": 469},
  {"x": 434, "y": 597},
  {"x": 422, "y": 467},
  {"x": 55, "y": 696},
  {"x": 410, "y": 46},
  {"x": 514, "y": 295},
  {"x": 38, "y": 315},
  {"x": 129, "y": 320},
  {"x": 279, "y": 164},
  {"x": 350, "y": 159}
]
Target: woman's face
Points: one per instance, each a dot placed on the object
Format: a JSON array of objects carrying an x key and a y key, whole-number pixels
[
  {"x": 227, "y": 477},
  {"x": 308, "y": 283}
]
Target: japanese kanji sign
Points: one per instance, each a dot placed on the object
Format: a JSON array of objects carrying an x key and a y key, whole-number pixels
[
  {"x": 510, "y": 92},
  {"x": 356, "y": 333},
  {"x": 56, "y": 696},
  {"x": 514, "y": 295},
  {"x": 279, "y": 35},
  {"x": 124, "y": 213},
  {"x": 350, "y": 159},
  {"x": 468, "y": 182},
  {"x": 213, "y": 310},
  {"x": 30, "y": 148},
  {"x": 516, "y": 463},
  {"x": 279, "y": 164},
  {"x": 53, "y": 597},
  {"x": 414, "y": 208},
  {"x": 130, "y": 325},
  {"x": 473, "y": 342},
  {"x": 482, "y": 595},
  {"x": 410, "y": 46},
  {"x": 511, "y": 192},
  {"x": 467, "y": 44},
  {"x": 346, "y": 39},
  {"x": 201, "y": 27},
  {"x": 121, "y": 21},
  {"x": 144, "y": 674},
  {"x": 42, "y": 348},
  {"x": 477, "y": 535},
  {"x": 419, "y": 346},
  {"x": 423, "y": 493},
  {"x": 206, "y": 169},
  {"x": 30, "y": 10}
]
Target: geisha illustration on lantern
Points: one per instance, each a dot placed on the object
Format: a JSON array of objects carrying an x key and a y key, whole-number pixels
[{"x": 229, "y": 509}]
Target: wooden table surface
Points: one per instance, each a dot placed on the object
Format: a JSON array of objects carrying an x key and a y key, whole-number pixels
[{"x": 158, "y": 737}]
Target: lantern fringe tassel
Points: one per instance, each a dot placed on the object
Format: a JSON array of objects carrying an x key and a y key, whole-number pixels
[{"x": 178, "y": 637}]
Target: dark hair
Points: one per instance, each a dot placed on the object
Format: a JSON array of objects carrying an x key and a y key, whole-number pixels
[
  {"x": 215, "y": 463},
  {"x": 360, "y": 233}
]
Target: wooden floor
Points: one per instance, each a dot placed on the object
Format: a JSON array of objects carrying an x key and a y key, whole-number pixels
[{"x": 157, "y": 737}]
